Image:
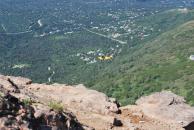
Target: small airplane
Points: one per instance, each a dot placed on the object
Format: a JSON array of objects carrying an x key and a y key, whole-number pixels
[{"x": 105, "y": 58}]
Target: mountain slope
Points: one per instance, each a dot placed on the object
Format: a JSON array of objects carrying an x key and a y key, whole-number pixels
[
  {"x": 64, "y": 40},
  {"x": 160, "y": 64}
]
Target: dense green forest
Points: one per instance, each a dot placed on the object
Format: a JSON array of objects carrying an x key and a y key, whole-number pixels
[{"x": 150, "y": 43}]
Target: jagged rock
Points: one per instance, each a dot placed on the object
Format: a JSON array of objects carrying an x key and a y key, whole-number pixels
[
  {"x": 10, "y": 112},
  {"x": 20, "y": 81},
  {"x": 190, "y": 126},
  {"x": 13, "y": 84},
  {"x": 168, "y": 107},
  {"x": 17, "y": 115},
  {"x": 117, "y": 122},
  {"x": 86, "y": 109},
  {"x": 6, "y": 84}
]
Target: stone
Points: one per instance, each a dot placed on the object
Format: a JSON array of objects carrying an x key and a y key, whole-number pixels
[
  {"x": 86, "y": 109},
  {"x": 74, "y": 97},
  {"x": 167, "y": 107},
  {"x": 117, "y": 122},
  {"x": 20, "y": 81}
]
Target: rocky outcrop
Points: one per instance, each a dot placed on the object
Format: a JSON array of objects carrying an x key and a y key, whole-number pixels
[
  {"x": 75, "y": 97},
  {"x": 16, "y": 115},
  {"x": 26, "y": 105},
  {"x": 87, "y": 105},
  {"x": 168, "y": 107}
]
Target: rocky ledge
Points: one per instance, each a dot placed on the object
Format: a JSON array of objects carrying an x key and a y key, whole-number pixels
[{"x": 29, "y": 106}]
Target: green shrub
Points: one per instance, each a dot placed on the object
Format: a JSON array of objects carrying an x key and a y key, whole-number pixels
[
  {"x": 56, "y": 106},
  {"x": 27, "y": 101}
]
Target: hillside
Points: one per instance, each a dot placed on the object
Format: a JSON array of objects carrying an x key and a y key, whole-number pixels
[
  {"x": 91, "y": 58},
  {"x": 61, "y": 42},
  {"x": 160, "y": 64},
  {"x": 37, "y": 35},
  {"x": 25, "y": 105}
]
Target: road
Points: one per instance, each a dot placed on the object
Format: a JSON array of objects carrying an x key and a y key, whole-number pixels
[
  {"x": 17, "y": 33},
  {"x": 102, "y": 35}
]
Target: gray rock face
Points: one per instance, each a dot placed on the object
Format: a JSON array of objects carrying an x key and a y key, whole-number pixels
[{"x": 168, "y": 107}]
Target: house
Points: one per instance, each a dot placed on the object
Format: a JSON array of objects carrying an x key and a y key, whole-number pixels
[{"x": 191, "y": 57}]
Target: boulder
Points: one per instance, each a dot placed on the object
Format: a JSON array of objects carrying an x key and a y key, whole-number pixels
[
  {"x": 20, "y": 81},
  {"x": 12, "y": 84},
  {"x": 168, "y": 107},
  {"x": 18, "y": 115},
  {"x": 4, "y": 83},
  {"x": 73, "y": 97}
]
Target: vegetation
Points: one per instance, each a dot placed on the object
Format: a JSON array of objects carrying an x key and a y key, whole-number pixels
[
  {"x": 27, "y": 101},
  {"x": 56, "y": 106},
  {"x": 162, "y": 64},
  {"x": 1, "y": 94},
  {"x": 64, "y": 42}
]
